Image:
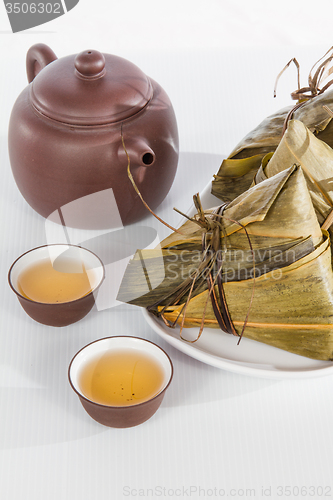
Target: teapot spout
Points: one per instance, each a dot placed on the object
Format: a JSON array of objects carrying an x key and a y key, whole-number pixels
[{"x": 139, "y": 151}]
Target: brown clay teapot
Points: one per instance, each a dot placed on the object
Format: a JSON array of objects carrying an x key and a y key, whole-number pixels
[{"x": 65, "y": 139}]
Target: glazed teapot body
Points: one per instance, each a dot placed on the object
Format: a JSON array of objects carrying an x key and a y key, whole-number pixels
[{"x": 75, "y": 128}]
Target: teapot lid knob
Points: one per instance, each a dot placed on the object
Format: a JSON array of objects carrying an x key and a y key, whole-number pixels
[{"x": 90, "y": 64}]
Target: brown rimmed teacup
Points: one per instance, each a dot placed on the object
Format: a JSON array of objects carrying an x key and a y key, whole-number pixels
[
  {"x": 131, "y": 414},
  {"x": 58, "y": 313}
]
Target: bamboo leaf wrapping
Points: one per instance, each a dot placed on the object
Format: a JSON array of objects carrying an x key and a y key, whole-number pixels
[
  {"x": 233, "y": 177},
  {"x": 300, "y": 146},
  {"x": 292, "y": 307}
]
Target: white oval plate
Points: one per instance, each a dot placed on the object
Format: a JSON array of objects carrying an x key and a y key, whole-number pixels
[{"x": 219, "y": 349}]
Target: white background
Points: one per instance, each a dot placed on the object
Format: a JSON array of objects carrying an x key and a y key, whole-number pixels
[{"x": 216, "y": 430}]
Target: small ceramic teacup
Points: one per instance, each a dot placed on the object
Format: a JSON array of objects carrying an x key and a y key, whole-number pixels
[
  {"x": 120, "y": 381},
  {"x": 57, "y": 284}
]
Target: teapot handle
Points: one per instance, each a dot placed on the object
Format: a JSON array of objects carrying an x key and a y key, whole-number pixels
[{"x": 38, "y": 56}]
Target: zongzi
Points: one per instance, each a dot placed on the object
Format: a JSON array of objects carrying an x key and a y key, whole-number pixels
[{"x": 266, "y": 249}]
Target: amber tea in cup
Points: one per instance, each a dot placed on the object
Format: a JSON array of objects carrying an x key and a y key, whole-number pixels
[
  {"x": 62, "y": 282},
  {"x": 121, "y": 381},
  {"x": 57, "y": 284},
  {"x": 121, "y": 378}
]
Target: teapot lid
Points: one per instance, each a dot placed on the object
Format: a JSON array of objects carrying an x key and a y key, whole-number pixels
[{"x": 90, "y": 89}]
